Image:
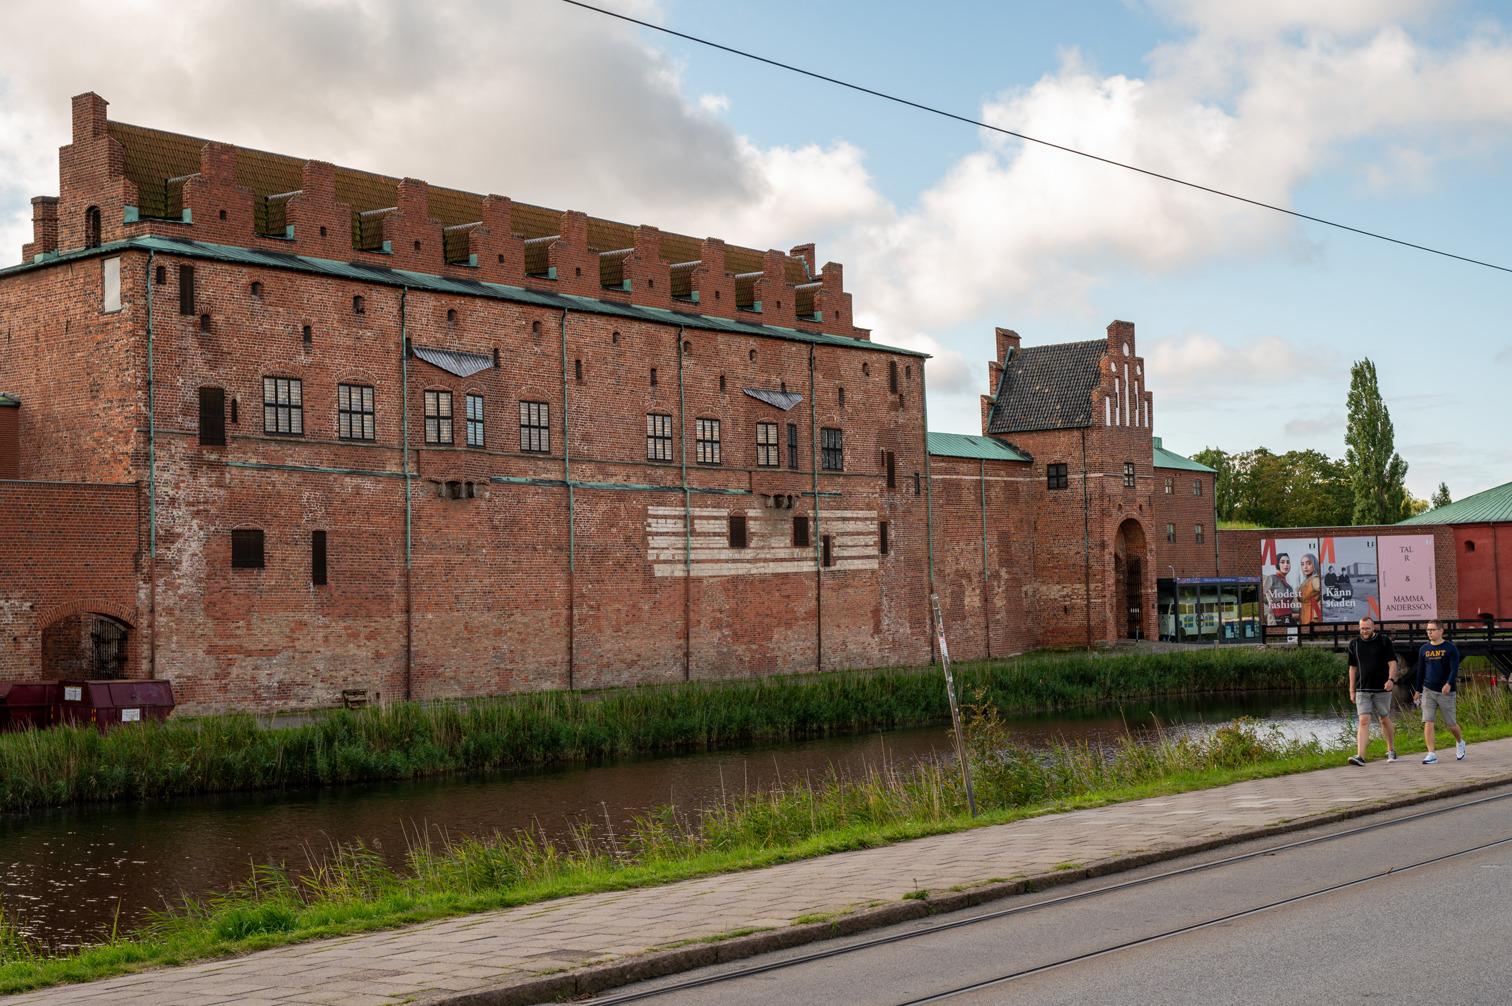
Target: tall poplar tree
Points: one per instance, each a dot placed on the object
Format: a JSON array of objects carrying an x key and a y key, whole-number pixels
[
  {"x": 1440, "y": 496},
  {"x": 1377, "y": 474}
]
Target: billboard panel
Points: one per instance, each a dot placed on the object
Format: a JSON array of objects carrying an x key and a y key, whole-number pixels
[
  {"x": 1409, "y": 590},
  {"x": 1304, "y": 581}
]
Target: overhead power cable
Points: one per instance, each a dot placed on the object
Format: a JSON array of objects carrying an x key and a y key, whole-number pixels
[{"x": 1034, "y": 139}]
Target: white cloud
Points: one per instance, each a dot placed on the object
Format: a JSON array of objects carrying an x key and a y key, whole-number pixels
[
  {"x": 1331, "y": 425},
  {"x": 1198, "y": 361},
  {"x": 539, "y": 101},
  {"x": 1248, "y": 19}
]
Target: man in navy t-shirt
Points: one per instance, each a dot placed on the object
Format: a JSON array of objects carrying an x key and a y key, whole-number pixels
[{"x": 1435, "y": 687}]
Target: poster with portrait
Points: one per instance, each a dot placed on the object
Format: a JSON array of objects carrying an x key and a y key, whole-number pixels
[
  {"x": 1409, "y": 588},
  {"x": 1307, "y": 581}
]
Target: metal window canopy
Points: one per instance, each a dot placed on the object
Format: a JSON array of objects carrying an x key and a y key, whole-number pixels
[
  {"x": 783, "y": 400},
  {"x": 454, "y": 361}
]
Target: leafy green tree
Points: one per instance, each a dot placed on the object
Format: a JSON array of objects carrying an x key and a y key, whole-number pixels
[
  {"x": 1377, "y": 473},
  {"x": 1225, "y": 494},
  {"x": 1440, "y": 496},
  {"x": 1416, "y": 506}
]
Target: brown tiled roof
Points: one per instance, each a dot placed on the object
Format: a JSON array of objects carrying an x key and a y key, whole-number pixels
[
  {"x": 1047, "y": 387},
  {"x": 154, "y": 156}
]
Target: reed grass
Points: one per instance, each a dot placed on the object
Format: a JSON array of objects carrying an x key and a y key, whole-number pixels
[
  {"x": 347, "y": 889},
  {"x": 66, "y": 765}
]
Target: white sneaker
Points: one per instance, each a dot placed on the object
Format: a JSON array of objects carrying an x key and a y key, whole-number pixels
[
  {"x": 1432, "y": 759},
  {"x": 1391, "y": 756},
  {"x": 1459, "y": 751}
]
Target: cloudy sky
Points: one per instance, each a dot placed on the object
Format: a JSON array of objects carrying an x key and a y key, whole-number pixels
[{"x": 1390, "y": 115}]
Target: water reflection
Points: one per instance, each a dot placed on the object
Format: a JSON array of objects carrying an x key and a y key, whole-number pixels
[{"x": 70, "y": 871}]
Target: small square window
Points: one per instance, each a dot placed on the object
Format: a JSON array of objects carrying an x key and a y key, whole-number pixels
[
  {"x": 658, "y": 437},
  {"x": 438, "y": 417},
  {"x": 1055, "y": 476},
  {"x": 767, "y": 449},
  {"x": 707, "y": 431},
  {"x": 1128, "y": 475},
  {"x": 354, "y": 412},
  {"x": 283, "y": 405},
  {"x": 475, "y": 421},
  {"x": 247, "y": 549},
  {"x": 535, "y": 427}
]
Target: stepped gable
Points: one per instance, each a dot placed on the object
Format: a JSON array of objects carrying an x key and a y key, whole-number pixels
[
  {"x": 1047, "y": 387},
  {"x": 119, "y": 180}
]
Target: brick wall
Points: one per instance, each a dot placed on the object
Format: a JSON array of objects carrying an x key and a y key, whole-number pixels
[
  {"x": 1182, "y": 509},
  {"x": 65, "y": 549},
  {"x": 1484, "y": 561}
]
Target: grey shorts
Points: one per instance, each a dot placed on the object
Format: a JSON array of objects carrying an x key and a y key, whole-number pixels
[
  {"x": 1443, "y": 703},
  {"x": 1373, "y": 703}
]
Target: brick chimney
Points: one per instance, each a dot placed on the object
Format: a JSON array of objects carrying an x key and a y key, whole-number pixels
[
  {"x": 44, "y": 228},
  {"x": 1007, "y": 339}
]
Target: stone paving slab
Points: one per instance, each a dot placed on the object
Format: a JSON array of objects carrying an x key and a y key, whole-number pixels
[{"x": 538, "y": 952}]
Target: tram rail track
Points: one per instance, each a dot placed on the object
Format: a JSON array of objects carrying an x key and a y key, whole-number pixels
[{"x": 945, "y": 925}]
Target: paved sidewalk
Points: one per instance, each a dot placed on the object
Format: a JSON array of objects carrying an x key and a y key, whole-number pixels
[{"x": 539, "y": 952}]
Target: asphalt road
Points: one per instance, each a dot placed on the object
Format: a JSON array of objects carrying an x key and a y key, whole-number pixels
[{"x": 1440, "y": 932}]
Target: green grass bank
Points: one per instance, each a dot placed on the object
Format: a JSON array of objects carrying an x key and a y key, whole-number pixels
[
  {"x": 354, "y": 890},
  {"x": 230, "y": 753}
]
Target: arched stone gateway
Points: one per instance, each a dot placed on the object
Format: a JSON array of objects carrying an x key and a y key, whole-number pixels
[
  {"x": 84, "y": 645},
  {"x": 1130, "y": 562}
]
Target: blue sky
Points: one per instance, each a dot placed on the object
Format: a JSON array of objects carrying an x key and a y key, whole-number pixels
[{"x": 1391, "y": 115}]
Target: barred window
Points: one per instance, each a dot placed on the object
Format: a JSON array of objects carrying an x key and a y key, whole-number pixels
[
  {"x": 832, "y": 458},
  {"x": 707, "y": 431},
  {"x": 283, "y": 405},
  {"x": 475, "y": 420},
  {"x": 535, "y": 427},
  {"x": 1055, "y": 476},
  {"x": 1128, "y": 475},
  {"x": 438, "y": 417},
  {"x": 768, "y": 451},
  {"x": 354, "y": 412},
  {"x": 658, "y": 437},
  {"x": 792, "y": 445}
]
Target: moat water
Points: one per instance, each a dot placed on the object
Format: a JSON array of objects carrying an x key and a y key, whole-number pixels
[{"x": 73, "y": 872}]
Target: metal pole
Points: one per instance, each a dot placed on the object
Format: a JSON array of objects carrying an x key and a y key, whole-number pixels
[
  {"x": 409, "y": 574},
  {"x": 955, "y": 710},
  {"x": 152, "y": 487}
]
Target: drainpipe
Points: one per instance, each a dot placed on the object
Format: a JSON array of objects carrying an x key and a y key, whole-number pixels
[
  {"x": 151, "y": 490},
  {"x": 571, "y": 513},
  {"x": 1086, "y": 540},
  {"x": 986, "y": 576},
  {"x": 818, "y": 542},
  {"x": 682, "y": 440},
  {"x": 928, "y": 501},
  {"x": 409, "y": 606},
  {"x": 1495, "y": 574}
]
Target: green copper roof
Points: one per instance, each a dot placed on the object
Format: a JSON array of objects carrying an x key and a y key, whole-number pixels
[
  {"x": 959, "y": 445},
  {"x": 1483, "y": 507},
  {"x": 365, "y": 273},
  {"x": 1169, "y": 459}
]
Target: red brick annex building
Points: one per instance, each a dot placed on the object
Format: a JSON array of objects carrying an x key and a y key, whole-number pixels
[{"x": 274, "y": 429}]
